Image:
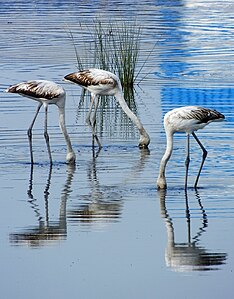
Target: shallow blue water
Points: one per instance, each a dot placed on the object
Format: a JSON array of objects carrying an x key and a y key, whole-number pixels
[{"x": 101, "y": 229}]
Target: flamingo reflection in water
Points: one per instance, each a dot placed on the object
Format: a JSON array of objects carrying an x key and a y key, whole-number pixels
[
  {"x": 46, "y": 232},
  {"x": 189, "y": 255},
  {"x": 103, "y": 203},
  {"x": 104, "y": 207}
]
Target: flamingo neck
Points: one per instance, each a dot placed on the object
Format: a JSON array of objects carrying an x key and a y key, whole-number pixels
[
  {"x": 161, "y": 181},
  {"x": 144, "y": 137},
  {"x": 71, "y": 157}
]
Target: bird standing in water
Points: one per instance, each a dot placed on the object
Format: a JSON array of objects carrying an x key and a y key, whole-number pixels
[
  {"x": 104, "y": 83},
  {"x": 185, "y": 119},
  {"x": 46, "y": 93}
]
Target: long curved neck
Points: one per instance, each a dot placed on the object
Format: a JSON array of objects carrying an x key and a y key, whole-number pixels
[
  {"x": 130, "y": 114},
  {"x": 161, "y": 177},
  {"x": 64, "y": 130}
]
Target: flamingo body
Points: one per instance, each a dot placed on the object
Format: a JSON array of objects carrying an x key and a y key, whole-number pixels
[
  {"x": 190, "y": 118},
  {"x": 98, "y": 82},
  {"x": 46, "y": 93},
  {"x": 39, "y": 90},
  {"x": 186, "y": 119},
  {"x": 104, "y": 83}
]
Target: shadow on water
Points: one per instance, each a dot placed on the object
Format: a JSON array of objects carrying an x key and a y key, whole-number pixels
[{"x": 189, "y": 255}]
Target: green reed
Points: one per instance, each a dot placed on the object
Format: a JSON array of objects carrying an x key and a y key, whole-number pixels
[{"x": 112, "y": 46}]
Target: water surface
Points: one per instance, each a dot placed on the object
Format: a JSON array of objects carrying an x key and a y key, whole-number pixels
[{"x": 101, "y": 229}]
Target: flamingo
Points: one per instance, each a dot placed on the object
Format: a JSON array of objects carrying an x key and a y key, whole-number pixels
[
  {"x": 46, "y": 93},
  {"x": 103, "y": 83},
  {"x": 185, "y": 119}
]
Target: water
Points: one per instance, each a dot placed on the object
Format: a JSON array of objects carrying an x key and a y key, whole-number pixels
[{"x": 101, "y": 229}]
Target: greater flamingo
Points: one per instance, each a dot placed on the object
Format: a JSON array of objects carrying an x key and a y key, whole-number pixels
[
  {"x": 104, "y": 83},
  {"x": 46, "y": 93},
  {"x": 185, "y": 119}
]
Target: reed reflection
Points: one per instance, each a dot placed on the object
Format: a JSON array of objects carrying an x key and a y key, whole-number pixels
[
  {"x": 110, "y": 118},
  {"x": 189, "y": 255},
  {"x": 46, "y": 231}
]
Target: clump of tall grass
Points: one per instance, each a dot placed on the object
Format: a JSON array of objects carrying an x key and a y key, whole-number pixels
[{"x": 112, "y": 46}]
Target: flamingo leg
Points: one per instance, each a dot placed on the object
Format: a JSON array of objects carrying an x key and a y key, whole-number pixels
[
  {"x": 30, "y": 131},
  {"x": 46, "y": 135},
  {"x": 95, "y": 122},
  {"x": 203, "y": 158},
  {"x": 93, "y": 125},
  {"x": 95, "y": 111},
  {"x": 94, "y": 136},
  {"x": 187, "y": 161},
  {"x": 90, "y": 110}
]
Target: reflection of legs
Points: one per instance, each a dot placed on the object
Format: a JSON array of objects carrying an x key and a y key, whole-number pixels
[
  {"x": 46, "y": 196},
  {"x": 204, "y": 215},
  {"x": 203, "y": 158},
  {"x": 46, "y": 135},
  {"x": 188, "y": 218},
  {"x": 30, "y": 132},
  {"x": 187, "y": 160}
]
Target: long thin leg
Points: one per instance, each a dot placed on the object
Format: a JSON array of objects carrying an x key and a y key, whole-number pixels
[
  {"x": 94, "y": 136},
  {"x": 30, "y": 132},
  {"x": 203, "y": 158},
  {"x": 95, "y": 121},
  {"x": 46, "y": 135},
  {"x": 93, "y": 125},
  {"x": 95, "y": 111},
  {"x": 187, "y": 160},
  {"x": 90, "y": 110}
]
